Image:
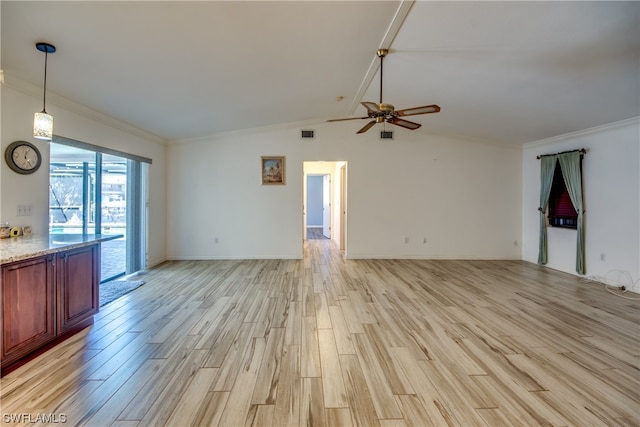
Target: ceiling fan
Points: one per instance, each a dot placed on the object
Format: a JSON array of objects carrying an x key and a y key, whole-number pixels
[{"x": 386, "y": 112}]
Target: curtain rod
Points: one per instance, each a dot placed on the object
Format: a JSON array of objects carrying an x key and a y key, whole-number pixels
[{"x": 581, "y": 151}]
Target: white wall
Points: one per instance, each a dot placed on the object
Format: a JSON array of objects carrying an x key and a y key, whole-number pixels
[
  {"x": 611, "y": 181},
  {"x": 463, "y": 196},
  {"x": 18, "y": 106}
]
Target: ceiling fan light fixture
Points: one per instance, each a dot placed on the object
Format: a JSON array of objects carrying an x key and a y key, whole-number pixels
[
  {"x": 43, "y": 121},
  {"x": 381, "y": 112}
]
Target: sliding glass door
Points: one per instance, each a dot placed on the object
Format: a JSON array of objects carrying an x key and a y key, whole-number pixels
[{"x": 92, "y": 192}]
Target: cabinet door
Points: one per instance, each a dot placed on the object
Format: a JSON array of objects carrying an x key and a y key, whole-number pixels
[
  {"x": 78, "y": 280},
  {"x": 28, "y": 307}
]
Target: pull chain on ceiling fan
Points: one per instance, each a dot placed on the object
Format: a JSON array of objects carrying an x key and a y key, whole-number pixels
[{"x": 381, "y": 112}]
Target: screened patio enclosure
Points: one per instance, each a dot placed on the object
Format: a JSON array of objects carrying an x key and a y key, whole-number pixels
[{"x": 90, "y": 192}]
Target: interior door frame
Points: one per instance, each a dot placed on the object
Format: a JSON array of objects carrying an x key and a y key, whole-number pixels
[
  {"x": 327, "y": 205},
  {"x": 343, "y": 207},
  {"x": 337, "y": 171}
]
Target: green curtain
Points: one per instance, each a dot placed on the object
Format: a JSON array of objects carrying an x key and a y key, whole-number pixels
[
  {"x": 547, "y": 167},
  {"x": 570, "y": 166}
]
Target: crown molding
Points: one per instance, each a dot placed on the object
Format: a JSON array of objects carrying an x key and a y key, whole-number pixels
[
  {"x": 584, "y": 132},
  {"x": 34, "y": 91}
]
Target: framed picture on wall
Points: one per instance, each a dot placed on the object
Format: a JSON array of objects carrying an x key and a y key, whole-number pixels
[{"x": 273, "y": 170}]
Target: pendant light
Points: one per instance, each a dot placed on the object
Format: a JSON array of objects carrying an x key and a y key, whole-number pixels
[{"x": 43, "y": 122}]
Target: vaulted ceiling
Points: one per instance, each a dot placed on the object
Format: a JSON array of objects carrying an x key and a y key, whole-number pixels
[{"x": 505, "y": 72}]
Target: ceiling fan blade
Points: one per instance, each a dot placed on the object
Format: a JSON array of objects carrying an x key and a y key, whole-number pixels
[
  {"x": 371, "y": 106},
  {"x": 348, "y": 118},
  {"x": 404, "y": 123},
  {"x": 367, "y": 126},
  {"x": 427, "y": 109}
]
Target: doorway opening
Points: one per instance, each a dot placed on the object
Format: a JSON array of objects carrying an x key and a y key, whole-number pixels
[
  {"x": 325, "y": 202},
  {"x": 318, "y": 207}
]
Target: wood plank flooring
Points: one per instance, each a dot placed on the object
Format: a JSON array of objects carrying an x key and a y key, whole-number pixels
[{"x": 328, "y": 342}]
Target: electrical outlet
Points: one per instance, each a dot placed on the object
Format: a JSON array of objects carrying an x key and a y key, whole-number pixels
[
  {"x": 603, "y": 256},
  {"x": 406, "y": 240},
  {"x": 424, "y": 240}
]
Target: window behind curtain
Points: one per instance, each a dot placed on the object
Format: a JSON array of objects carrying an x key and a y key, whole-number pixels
[{"x": 561, "y": 210}]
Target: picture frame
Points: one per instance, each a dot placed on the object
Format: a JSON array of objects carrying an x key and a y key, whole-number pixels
[{"x": 273, "y": 170}]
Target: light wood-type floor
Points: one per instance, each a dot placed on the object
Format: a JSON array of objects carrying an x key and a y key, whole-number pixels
[{"x": 328, "y": 342}]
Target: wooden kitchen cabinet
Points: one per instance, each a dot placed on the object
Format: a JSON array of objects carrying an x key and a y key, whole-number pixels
[
  {"x": 78, "y": 278},
  {"x": 45, "y": 299},
  {"x": 28, "y": 307}
]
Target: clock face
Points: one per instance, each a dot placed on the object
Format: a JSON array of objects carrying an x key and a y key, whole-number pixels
[{"x": 23, "y": 157}]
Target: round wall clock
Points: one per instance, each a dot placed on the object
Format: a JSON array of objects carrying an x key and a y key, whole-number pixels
[{"x": 23, "y": 157}]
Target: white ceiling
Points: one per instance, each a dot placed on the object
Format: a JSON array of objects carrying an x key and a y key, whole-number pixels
[{"x": 506, "y": 72}]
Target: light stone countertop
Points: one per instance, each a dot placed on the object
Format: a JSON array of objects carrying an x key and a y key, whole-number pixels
[{"x": 20, "y": 248}]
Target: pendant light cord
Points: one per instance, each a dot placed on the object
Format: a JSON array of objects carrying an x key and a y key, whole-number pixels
[{"x": 44, "y": 96}]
